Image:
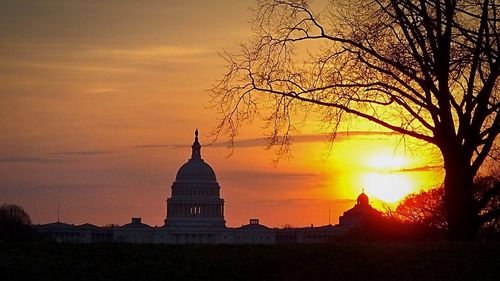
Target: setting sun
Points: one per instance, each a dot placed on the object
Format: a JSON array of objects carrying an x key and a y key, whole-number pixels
[
  {"x": 386, "y": 183},
  {"x": 387, "y": 187}
]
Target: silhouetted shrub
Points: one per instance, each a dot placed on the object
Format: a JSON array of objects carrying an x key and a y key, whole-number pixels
[{"x": 15, "y": 224}]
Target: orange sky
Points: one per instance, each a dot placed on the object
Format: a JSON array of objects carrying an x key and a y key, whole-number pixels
[{"x": 100, "y": 100}]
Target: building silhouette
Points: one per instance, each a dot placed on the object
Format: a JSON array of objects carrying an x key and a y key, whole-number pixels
[
  {"x": 195, "y": 200},
  {"x": 195, "y": 215},
  {"x": 361, "y": 213}
]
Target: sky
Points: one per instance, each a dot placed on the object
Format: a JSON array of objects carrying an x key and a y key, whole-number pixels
[{"x": 100, "y": 100}]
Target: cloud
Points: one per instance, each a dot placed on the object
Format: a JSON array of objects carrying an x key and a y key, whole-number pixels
[
  {"x": 84, "y": 152},
  {"x": 153, "y": 53},
  {"x": 31, "y": 159},
  {"x": 268, "y": 176},
  {"x": 91, "y": 58},
  {"x": 161, "y": 146},
  {"x": 54, "y": 157},
  {"x": 72, "y": 187},
  {"x": 421, "y": 169},
  {"x": 259, "y": 142},
  {"x": 263, "y": 141},
  {"x": 295, "y": 201}
]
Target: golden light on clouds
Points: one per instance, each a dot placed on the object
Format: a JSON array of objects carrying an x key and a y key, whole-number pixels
[{"x": 387, "y": 161}]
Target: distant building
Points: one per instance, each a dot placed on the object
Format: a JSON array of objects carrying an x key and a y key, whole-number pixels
[
  {"x": 70, "y": 233},
  {"x": 135, "y": 232},
  {"x": 254, "y": 233},
  {"x": 360, "y": 213},
  {"x": 195, "y": 215},
  {"x": 310, "y": 235}
]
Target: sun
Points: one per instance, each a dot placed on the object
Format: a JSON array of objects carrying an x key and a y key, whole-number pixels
[
  {"x": 386, "y": 182},
  {"x": 389, "y": 188},
  {"x": 387, "y": 162}
]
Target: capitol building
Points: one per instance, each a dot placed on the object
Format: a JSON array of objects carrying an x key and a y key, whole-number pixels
[
  {"x": 195, "y": 200},
  {"x": 195, "y": 215}
]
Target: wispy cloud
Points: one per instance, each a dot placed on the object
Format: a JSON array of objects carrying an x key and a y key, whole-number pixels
[
  {"x": 421, "y": 169},
  {"x": 53, "y": 157},
  {"x": 84, "y": 152},
  {"x": 263, "y": 141},
  {"x": 101, "y": 59},
  {"x": 153, "y": 53},
  {"x": 255, "y": 142},
  {"x": 31, "y": 159},
  {"x": 161, "y": 146},
  {"x": 268, "y": 176},
  {"x": 298, "y": 201}
]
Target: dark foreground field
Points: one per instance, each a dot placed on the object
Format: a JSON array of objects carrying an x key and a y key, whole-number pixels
[{"x": 342, "y": 261}]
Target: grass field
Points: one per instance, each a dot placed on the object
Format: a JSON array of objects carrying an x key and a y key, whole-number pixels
[{"x": 340, "y": 261}]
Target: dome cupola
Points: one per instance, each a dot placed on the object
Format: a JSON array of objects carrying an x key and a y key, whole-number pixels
[
  {"x": 363, "y": 199},
  {"x": 195, "y": 168}
]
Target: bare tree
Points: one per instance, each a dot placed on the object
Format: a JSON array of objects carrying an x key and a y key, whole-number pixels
[
  {"x": 425, "y": 207},
  {"x": 15, "y": 223},
  {"x": 14, "y": 214},
  {"x": 425, "y": 69},
  {"x": 487, "y": 196}
]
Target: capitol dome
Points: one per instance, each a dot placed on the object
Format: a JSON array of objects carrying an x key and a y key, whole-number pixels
[
  {"x": 195, "y": 168},
  {"x": 195, "y": 200}
]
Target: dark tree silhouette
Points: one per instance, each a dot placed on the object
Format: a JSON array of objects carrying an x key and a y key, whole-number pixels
[
  {"x": 427, "y": 208},
  {"x": 15, "y": 223},
  {"x": 425, "y": 69},
  {"x": 487, "y": 195}
]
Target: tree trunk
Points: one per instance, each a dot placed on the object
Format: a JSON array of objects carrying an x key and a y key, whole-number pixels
[{"x": 459, "y": 200}]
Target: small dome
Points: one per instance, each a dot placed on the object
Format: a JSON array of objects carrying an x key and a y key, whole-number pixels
[
  {"x": 363, "y": 199},
  {"x": 195, "y": 169}
]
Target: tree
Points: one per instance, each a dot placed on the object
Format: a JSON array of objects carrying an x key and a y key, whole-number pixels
[
  {"x": 15, "y": 223},
  {"x": 487, "y": 195},
  {"x": 426, "y": 207},
  {"x": 421, "y": 68}
]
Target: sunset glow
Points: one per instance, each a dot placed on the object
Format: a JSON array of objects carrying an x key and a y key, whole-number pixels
[
  {"x": 99, "y": 120},
  {"x": 387, "y": 162}
]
